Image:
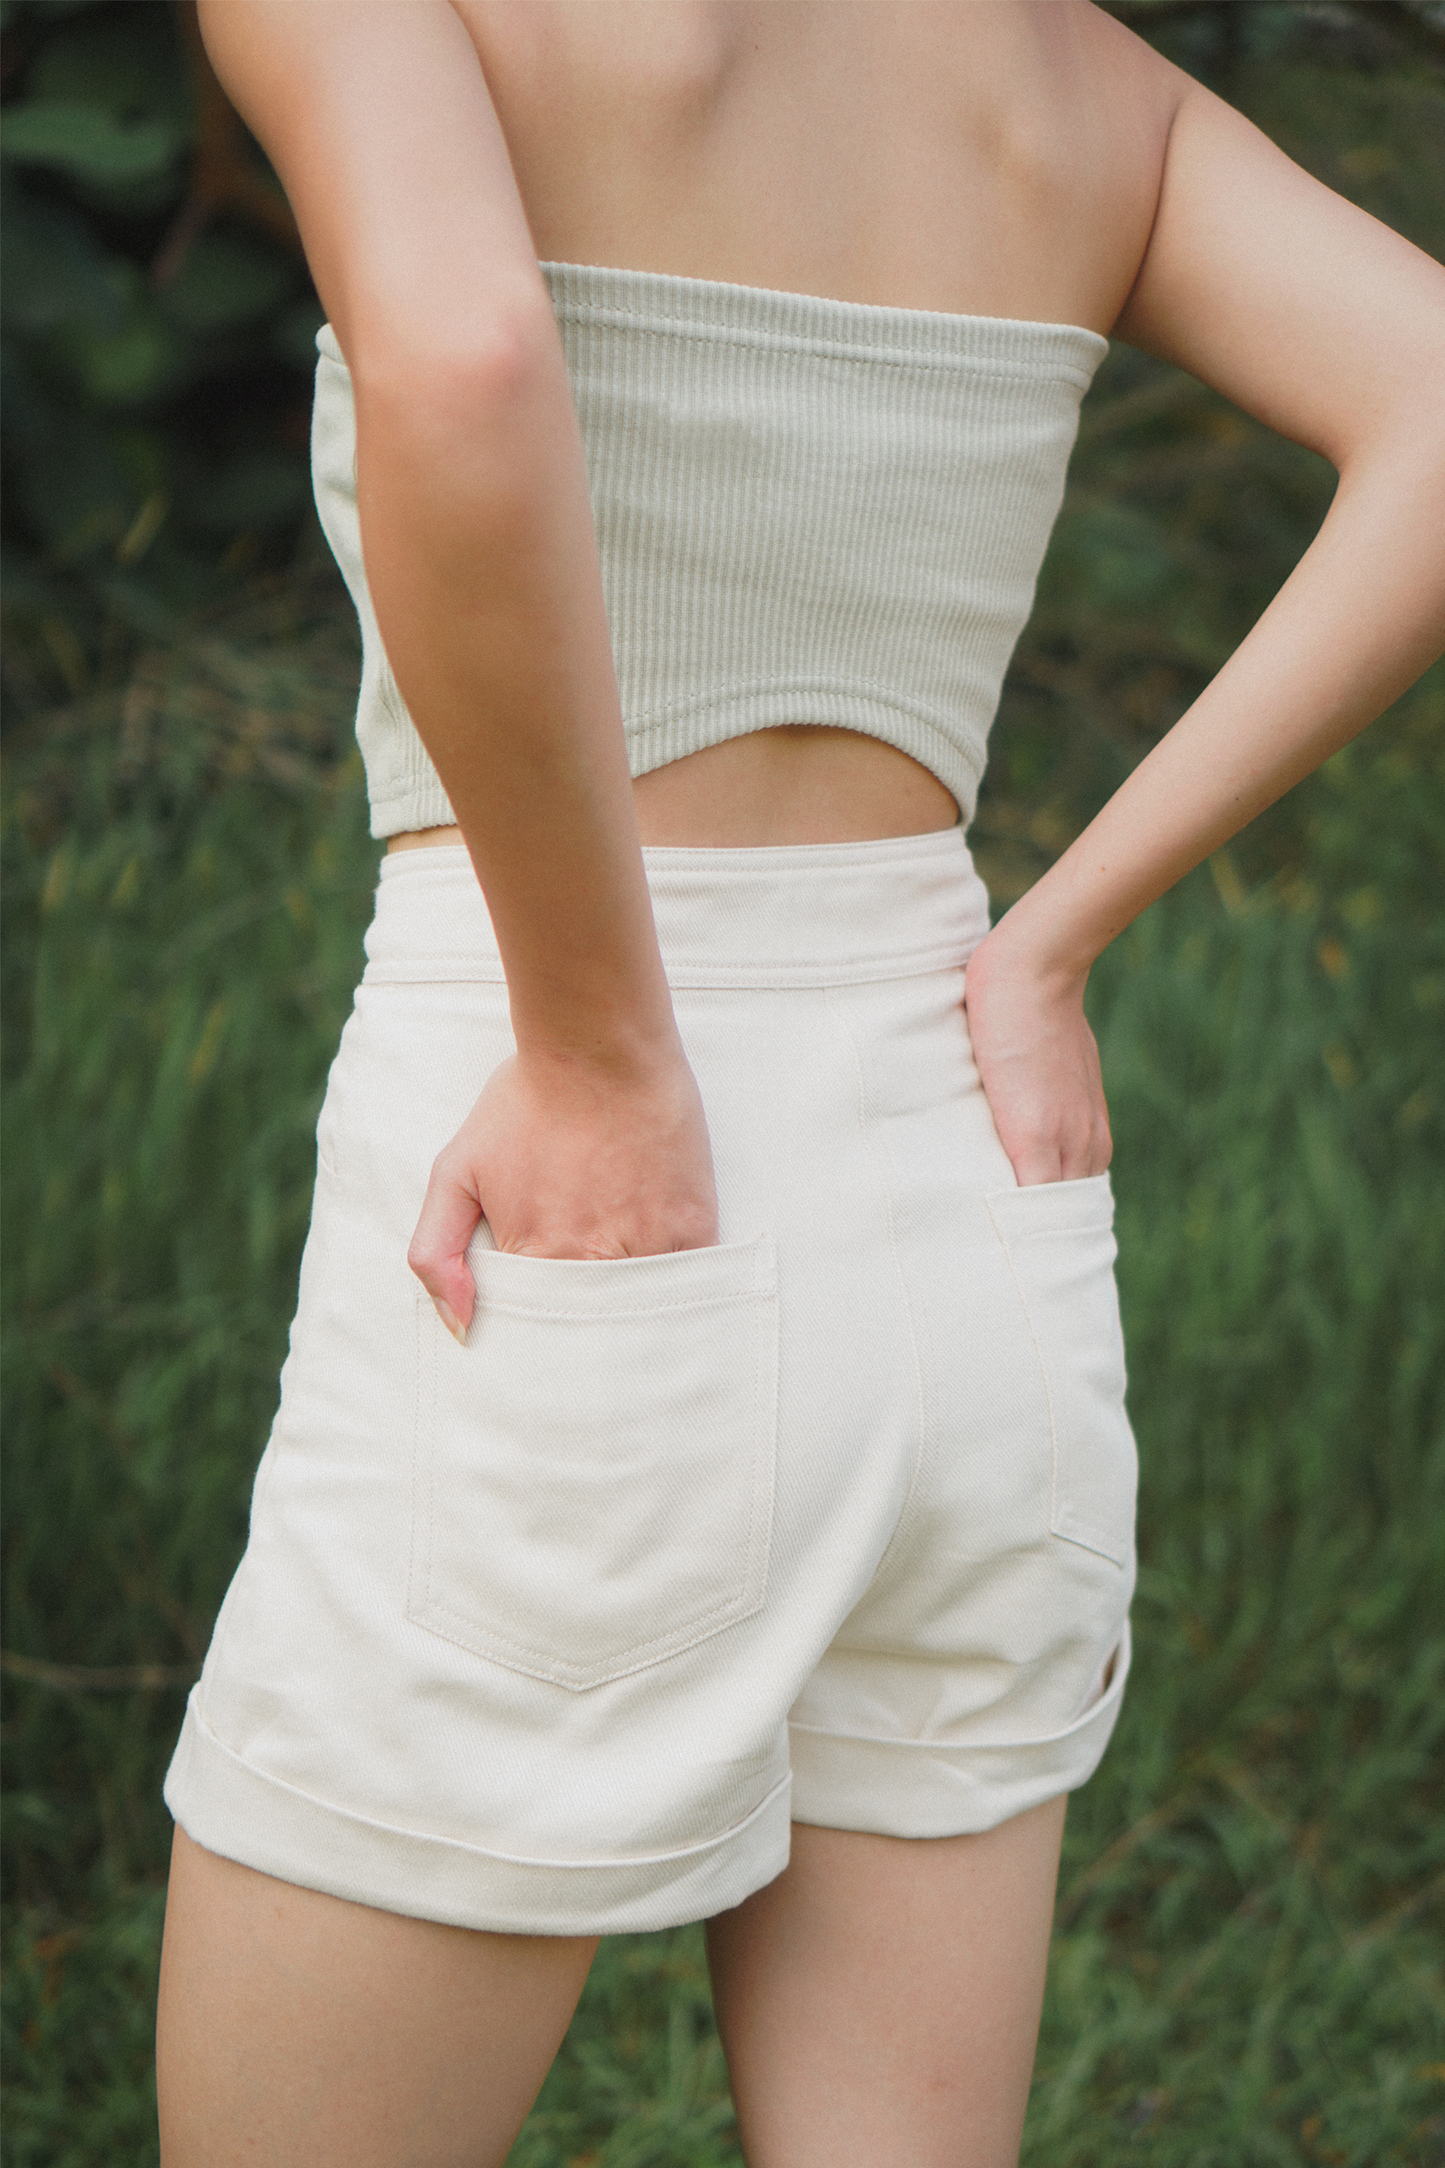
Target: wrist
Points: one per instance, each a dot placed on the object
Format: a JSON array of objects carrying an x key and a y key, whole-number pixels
[
  {"x": 1020, "y": 951},
  {"x": 606, "y": 1011},
  {"x": 616, "y": 1052}
]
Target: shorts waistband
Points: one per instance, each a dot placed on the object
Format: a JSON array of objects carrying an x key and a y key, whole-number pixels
[{"x": 811, "y": 914}]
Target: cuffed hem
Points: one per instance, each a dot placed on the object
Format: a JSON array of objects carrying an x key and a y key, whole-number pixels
[
  {"x": 226, "y": 1805},
  {"x": 929, "y": 1788}
]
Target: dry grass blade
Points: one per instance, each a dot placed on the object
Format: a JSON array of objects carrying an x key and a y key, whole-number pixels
[{"x": 97, "y": 1678}]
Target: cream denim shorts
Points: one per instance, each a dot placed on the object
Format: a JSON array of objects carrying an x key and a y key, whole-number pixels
[{"x": 557, "y": 1631}]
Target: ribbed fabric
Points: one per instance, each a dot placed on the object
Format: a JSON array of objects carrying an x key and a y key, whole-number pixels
[{"x": 807, "y": 511}]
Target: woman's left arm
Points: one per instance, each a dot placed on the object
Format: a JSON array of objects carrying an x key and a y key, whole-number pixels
[{"x": 1323, "y": 323}]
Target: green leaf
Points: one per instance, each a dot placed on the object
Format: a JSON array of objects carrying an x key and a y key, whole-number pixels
[
  {"x": 133, "y": 364},
  {"x": 86, "y": 142},
  {"x": 227, "y": 279},
  {"x": 55, "y": 273},
  {"x": 124, "y": 61},
  {"x": 139, "y": 359}
]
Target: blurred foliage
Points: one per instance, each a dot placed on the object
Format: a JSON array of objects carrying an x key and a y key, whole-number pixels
[
  {"x": 157, "y": 343},
  {"x": 1248, "y": 1968},
  {"x": 1245, "y": 1970},
  {"x": 187, "y": 874}
]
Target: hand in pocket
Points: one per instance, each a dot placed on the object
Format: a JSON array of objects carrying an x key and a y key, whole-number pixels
[
  {"x": 1039, "y": 1065},
  {"x": 568, "y": 1159}
]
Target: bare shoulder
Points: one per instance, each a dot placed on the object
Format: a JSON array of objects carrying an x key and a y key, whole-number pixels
[
  {"x": 1125, "y": 96},
  {"x": 1098, "y": 106},
  {"x": 668, "y": 135},
  {"x": 1294, "y": 302},
  {"x": 377, "y": 119},
  {"x": 1050, "y": 121},
  {"x": 1248, "y": 272}
]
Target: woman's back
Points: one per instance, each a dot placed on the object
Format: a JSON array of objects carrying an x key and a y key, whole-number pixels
[
  {"x": 999, "y": 159},
  {"x": 838, "y": 1422}
]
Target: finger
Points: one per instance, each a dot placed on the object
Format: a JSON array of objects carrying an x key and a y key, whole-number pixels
[
  {"x": 450, "y": 1212},
  {"x": 1094, "y": 1150},
  {"x": 1101, "y": 1152},
  {"x": 1037, "y": 1163}
]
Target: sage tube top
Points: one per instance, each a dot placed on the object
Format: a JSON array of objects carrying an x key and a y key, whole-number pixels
[{"x": 807, "y": 511}]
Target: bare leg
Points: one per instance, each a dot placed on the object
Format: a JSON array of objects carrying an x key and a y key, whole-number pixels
[
  {"x": 299, "y": 2031},
  {"x": 880, "y": 2001}
]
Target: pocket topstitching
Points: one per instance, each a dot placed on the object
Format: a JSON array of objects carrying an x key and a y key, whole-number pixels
[
  {"x": 1058, "y": 1238},
  {"x": 593, "y": 1475}
]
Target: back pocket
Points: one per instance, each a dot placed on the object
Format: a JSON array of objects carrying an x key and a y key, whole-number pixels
[
  {"x": 1059, "y": 1241},
  {"x": 594, "y": 1469}
]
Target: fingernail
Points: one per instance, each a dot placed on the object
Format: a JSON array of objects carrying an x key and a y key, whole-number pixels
[{"x": 449, "y": 1318}]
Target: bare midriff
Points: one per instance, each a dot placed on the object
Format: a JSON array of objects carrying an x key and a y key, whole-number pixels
[{"x": 803, "y": 783}]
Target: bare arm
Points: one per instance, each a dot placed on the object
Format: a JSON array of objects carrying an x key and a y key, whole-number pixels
[
  {"x": 482, "y": 563},
  {"x": 1325, "y": 324}
]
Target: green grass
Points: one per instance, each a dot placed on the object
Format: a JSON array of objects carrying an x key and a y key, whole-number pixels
[{"x": 1247, "y": 1968}]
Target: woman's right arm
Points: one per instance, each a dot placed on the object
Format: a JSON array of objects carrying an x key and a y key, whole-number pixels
[{"x": 482, "y": 564}]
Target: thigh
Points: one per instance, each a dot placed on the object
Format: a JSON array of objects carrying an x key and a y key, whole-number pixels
[
  {"x": 880, "y": 2001},
  {"x": 295, "y": 2028}
]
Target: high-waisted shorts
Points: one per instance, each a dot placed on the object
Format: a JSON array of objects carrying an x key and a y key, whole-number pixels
[{"x": 555, "y": 1632}]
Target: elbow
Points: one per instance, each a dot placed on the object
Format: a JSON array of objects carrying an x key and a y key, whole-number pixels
[
  {"x": 457, "y": 402},
  {"x": 490, "y": 368}
]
